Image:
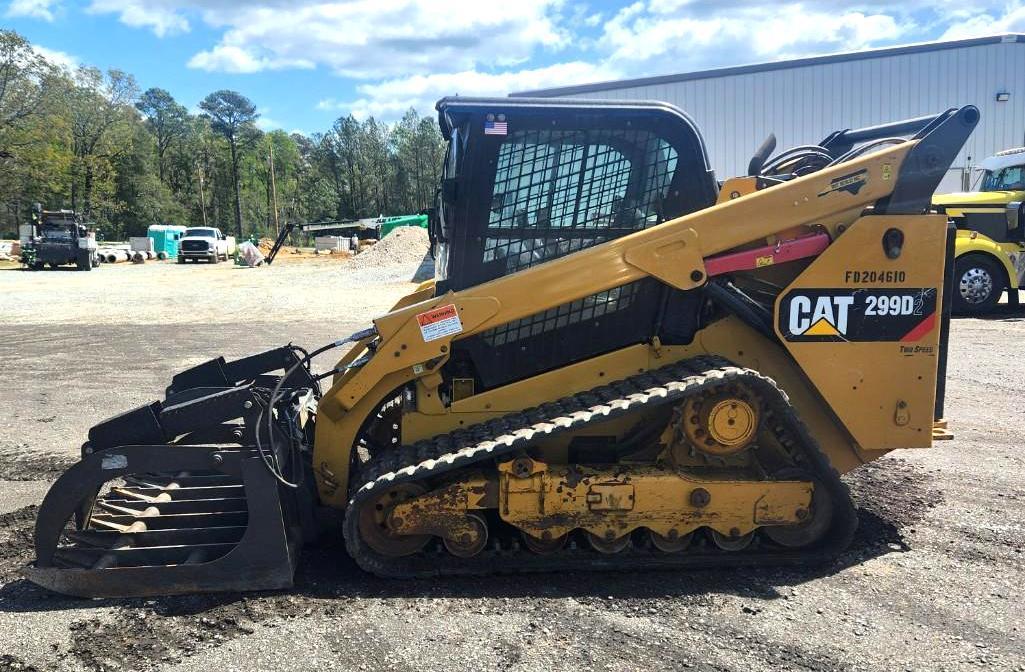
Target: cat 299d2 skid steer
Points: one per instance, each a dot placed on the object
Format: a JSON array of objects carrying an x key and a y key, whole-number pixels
[{"x": 621, "y": 364}]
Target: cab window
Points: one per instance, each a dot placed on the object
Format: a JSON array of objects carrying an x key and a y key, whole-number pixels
[{"x": 1005, "y": 179}]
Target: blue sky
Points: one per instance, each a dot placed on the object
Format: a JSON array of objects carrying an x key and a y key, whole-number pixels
[{"x": 305, "y": 63}]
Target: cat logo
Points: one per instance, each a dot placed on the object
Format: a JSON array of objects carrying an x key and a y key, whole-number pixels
[
  {"x": 873, "y": 314},
  {"x": 819, "y": 316}
]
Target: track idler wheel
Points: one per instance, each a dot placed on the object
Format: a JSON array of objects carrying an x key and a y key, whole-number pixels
[
  {"x": 373, "y": 523},
  {"x": 470, "y": 542},
  {"x": 817, "y": 521}
]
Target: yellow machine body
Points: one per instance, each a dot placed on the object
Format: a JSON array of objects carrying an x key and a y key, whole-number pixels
[
  {"x": 882, "y": 391},
  {"x": 617, "y": 388}
]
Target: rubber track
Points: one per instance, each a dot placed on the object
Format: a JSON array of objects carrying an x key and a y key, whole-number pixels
[{"x": 508, "y": 435}]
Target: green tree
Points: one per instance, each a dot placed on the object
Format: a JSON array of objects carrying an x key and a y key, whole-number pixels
[
  {"x": 34, "y": 153},
  {"x": 27, "y": 80},
  {"x": 419, "y": 152},
  {"x": 87, "y": 140},
  {"x": 141, "y": 196},
  {"x": 166, "y": 120},
  {"x": 233, "y": 116},
  {"x": 101, "y": 115}
]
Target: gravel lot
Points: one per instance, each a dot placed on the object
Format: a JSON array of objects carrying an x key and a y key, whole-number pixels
[{"x": 933, "y": 580}]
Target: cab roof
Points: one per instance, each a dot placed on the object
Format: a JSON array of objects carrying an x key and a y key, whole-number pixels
[{"x": 1004, "y": 159}]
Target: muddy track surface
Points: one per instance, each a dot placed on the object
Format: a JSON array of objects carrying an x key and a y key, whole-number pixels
[{"x": 932, "y": 580}]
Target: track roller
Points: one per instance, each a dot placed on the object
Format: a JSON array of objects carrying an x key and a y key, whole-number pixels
[
  {"x": 544, "y": 546},
  {"x": 469, "y": 543},
  {"x": 732, "y": 543},
  {"x": 608, "y": 546},
  {"x": 673, "y": 543}
]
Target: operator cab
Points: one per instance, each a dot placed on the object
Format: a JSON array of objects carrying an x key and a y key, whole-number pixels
[
  {"x": 526, "y": 181},
  {"x": 61, "y": 226},
  {"x": 529, "y": 180}
]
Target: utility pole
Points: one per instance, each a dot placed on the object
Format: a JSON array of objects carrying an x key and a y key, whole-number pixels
[
  {"x": 274, "y": 192},
  {"x": 202, "y": 198}
]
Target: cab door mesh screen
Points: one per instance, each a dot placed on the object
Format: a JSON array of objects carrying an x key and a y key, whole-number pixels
[{"x": 557, "y": 192}]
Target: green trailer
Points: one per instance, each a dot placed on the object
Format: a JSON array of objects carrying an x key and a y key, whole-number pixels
[{"x": 388, "y": 224}]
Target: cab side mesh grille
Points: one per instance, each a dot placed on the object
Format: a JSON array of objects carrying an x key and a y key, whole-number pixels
[{"x": 592, "y": 307}]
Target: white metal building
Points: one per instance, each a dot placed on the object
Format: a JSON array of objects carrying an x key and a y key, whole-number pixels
[{"x": 803, "y": 100}]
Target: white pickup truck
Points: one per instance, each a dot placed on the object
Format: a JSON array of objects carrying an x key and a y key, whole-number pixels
[{"x": 204, "y": 242}]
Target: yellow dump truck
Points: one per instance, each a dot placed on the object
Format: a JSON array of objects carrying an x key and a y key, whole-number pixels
[{"x": 990, "y": 244}]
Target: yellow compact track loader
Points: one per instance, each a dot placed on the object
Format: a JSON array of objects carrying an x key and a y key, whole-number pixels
[{"x": 621, "y": 364}]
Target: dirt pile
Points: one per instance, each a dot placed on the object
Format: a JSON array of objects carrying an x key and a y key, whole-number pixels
[
  {"x": 265, "y": 245},
  {"x": 406, "y": 245}
]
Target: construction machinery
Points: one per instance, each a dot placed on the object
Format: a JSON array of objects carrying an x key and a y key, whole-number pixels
[
  {"x": 990, "y": 245},
  {"x": 56, "y": 238},
  {"x": 622, "y": 363}
]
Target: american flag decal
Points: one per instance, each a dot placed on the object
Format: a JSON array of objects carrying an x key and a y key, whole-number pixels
[{"x": 496, "y": 127}]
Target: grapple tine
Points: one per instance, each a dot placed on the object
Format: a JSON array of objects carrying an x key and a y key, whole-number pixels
[
  {"x": 131, "y": 494},
  {"x": 124, "y": 510}
]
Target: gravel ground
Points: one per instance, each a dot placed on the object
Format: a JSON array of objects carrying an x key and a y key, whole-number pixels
[{"x": 932, "y": 581}]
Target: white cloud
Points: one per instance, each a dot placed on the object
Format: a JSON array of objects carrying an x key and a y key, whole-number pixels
[
  {"x": 226, "y": 58},
  {"x": 59, "y": 58},
  {"x": 984, "y": 23},
  {"x": 36, "y": 9},
  {"x": 362, "y": 39},
  {"x": 391, "y": 98},
  {"x": 665, "y": 34},
  {"x": 161, "y": 17},
  {"x": 404, "y": 53}
]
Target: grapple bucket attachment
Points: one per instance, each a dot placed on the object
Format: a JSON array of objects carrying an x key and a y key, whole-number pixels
[{"x": 179, "y": 496}]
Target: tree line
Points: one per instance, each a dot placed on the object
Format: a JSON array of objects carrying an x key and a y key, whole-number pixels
[{"x": 92, "y": 141}]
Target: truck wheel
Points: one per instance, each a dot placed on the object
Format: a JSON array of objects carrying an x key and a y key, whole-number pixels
[{"x": 978, "y": 284}]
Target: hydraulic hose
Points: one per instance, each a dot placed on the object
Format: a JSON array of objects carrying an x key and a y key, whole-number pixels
[{"x": 275, "y": 396}]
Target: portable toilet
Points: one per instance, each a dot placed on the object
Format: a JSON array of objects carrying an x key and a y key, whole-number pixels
[{"x": 165, "y": 239}]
